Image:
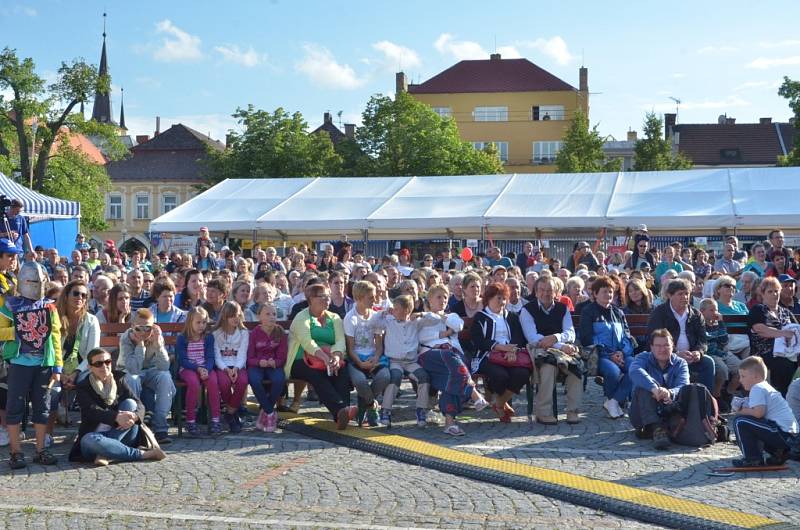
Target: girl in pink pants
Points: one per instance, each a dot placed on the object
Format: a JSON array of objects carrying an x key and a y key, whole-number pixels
[{"x": 231, "y": 339}]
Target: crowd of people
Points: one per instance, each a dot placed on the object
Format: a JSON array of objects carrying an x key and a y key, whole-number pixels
[{"x": 334, "y": 320}]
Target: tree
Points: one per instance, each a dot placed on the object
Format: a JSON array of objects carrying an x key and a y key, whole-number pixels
[
  {"x": 653, "y": 152},
  {"x": 405, "y": 137},
  {"x": 273, "y": 144},
  {"x": 791, "y": 91},
  {"x": 52, "y": 106},
  {"x": 582, "y": 151}
]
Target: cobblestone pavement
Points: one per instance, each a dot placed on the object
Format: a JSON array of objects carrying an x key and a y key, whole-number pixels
[
  {"x": 607, "y": 449},
  {"x": 280, "y": 480}
]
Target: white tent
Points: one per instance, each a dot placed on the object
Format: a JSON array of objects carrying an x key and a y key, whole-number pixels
[{"x": 461, "y": 205}]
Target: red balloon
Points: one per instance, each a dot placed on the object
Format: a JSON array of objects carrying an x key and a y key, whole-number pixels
[{"x": 466, "y": 254}]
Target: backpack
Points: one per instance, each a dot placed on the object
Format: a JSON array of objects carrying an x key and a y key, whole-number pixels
[{"x": 694, "y": 418}]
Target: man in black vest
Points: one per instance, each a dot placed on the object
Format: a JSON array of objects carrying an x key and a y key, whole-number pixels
[{"x": 547, "y": 325}]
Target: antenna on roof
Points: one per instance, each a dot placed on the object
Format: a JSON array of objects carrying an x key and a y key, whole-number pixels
[
  {"x": 495, "y": 43},
  {"x": 583, "y": 58},
  {"x": 677, "y": 106}
]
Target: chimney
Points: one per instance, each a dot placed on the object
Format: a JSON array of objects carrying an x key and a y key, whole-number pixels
[
  {"x": 142, "y": 138},
  {"x": 765, "y": 121},
  {"x": 350, "y": 130},
  {"x": 669, "y": 123},
  {"x": 494, "y": 57},
  {"x": 400, "y": 82},
  {"x": 583, "y": 79},
  {"x": 632, "y": 137},
  {"x": 327, "y": 118},
  {"x": 730, "y": 121},
  {"x": 158, "y": 126}
]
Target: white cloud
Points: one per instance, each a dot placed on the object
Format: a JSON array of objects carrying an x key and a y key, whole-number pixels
[
  {"x": 460, "y": 49},
  {"x": 730, "y": 101},
  {"x": 762, "y": 63},
  {"x": 678, "y": 75},
  {"x": 397, "y": 57},
  {"x": 321, "y": 67},
  {"x": 757, "y": 84},
  {"x": 555, "y": 48},
  {"x": 717, "y": 50},
  {"x": 779, "y": 44},
  {"x": 17, "y": 10},
  {"x": 247, "y": 58},
  {"x": 509, "y": 52},
  {"x": 177, "y": 44}
]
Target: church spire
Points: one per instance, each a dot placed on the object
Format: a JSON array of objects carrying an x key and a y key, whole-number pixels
[
  {"x": 101, "y": 110},
  {"x": 122, "y": 109}
]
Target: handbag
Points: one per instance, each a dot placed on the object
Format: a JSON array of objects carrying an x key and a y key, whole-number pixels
[
  {"x": 522, "y": 360},
  {"x": 315, "y": 363}
]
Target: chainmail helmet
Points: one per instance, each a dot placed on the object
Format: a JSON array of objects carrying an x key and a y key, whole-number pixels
[{"x": 32, "y": 281}]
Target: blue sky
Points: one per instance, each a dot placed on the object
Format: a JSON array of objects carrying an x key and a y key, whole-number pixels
[{"x": 195, "y": 61}]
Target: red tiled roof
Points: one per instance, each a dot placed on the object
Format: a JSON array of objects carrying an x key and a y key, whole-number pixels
[
  {"x": 757, "y": 143},
  {"x": 491, "y": 75}
]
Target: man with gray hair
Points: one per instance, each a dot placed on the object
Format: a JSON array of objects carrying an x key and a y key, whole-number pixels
[
  {"x": 101, "y": 286},
  {"x": 744, "y": 294}
]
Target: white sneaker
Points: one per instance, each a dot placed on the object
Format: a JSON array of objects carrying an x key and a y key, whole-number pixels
[
  {"x": 48, "y": 441},
  {"x": 613, "y": 408},
  {"x": 3, "y": 437},
  {"x": 480, "y": 404},
  {"x": 434, "y": 417}
]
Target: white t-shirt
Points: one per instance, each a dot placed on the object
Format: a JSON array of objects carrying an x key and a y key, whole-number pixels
[
  {"x": 777, "y": 409},
  {"x": 357, "y": 327}
]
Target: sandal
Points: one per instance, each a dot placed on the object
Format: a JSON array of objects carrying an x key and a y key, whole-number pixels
[{"x": 454, "y": 430}]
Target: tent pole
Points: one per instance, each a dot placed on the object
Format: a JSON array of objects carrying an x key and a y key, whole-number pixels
[
  {"x": 255, "y": 238},
  {"x": 483, "y": 238},
  {"x": 366, "y": 241}
]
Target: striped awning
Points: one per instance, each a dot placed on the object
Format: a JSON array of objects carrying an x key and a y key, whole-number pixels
[{"x": 36, "y": 204}]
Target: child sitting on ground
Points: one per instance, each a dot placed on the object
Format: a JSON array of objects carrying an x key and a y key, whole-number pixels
[
  {"x": 401, "y": 344},
  {"x": 764, "y": 421},
  {"x": 726, "y": 363}
]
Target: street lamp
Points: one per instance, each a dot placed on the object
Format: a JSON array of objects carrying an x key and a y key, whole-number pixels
[{"x": 34, "y": 127}]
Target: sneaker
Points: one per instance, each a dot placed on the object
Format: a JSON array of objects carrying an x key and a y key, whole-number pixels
[
  {"x": 215, "y": 429},
  {"x": 613, "y": 408},
  {"x": 3, "y": 437},
  {"x": 261, "y": 422},
  {"x": 660, "y": 439},
  {"x": 748, "y": 462},
  {"x": 546, "y": 420},
  {"x": 386, "y": 418},
  {"x": 434, "y": 417},
  {"x": 45, "y": 458},
  {"x": 163, "y": 438},
  {"x": 361, "y": 414},
  {"x": 645, "y": 433},
  {"x": 191, "y": 429},
  {"x": 17, "y": 461},
  {"x": 372, "y": 416},
  {"x": 777, "y": 459},
  {"x": 48, "y": 440},
  {"x": 573, "y": 418},
  {"x": 422, "y": 419},
  {"x": 481, "y": 404},
  {"x": 235, "y": 424},
  {"x": 272, "y": 422},
  {"x": 148, "y": 418},
  {"x": 454, "y": 430}
]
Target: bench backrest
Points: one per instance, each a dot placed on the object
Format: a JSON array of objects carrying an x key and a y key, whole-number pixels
[{"x": 110, "y": 333}]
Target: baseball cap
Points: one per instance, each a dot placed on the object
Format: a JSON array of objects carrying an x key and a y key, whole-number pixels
[
  {"x": 783, "y": 278},
  {"x": 642, "y": 228},
  {"x": 498, "y": 267},
  {"x": 7, "y": 247},
  {"x": 583, "y": 244}
]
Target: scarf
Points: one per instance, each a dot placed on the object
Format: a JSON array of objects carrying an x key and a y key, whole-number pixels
[{"x": 107, "y": 391}]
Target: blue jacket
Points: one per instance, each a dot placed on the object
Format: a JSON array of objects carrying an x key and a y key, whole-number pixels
[
  {"x": 183, "y": 360},
  {"x": 606, "y": 328},
  {"x": 645, "y": 373}
]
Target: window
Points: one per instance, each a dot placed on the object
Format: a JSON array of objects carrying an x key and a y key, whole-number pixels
[
  {"x": 730, "y": 154},
  {"x": 444, "y": 112},
  {"x": 502, "y": 148},
  {"x": 143, "y": 206},
  {"x": 547, "y": 112},
  {"x": 490, "y": 114},
  {"x": 114, "y": 207},
  {"x": 169, "y": 202},
  {"x": 545, "y": 152}
]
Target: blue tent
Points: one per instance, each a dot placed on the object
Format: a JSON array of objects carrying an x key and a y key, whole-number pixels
[{"x": 53, "y": 222}]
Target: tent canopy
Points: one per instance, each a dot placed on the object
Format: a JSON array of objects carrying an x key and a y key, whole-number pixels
[
  {"x": 424, "y": 207},
  {"x": 38, "y": 205}
]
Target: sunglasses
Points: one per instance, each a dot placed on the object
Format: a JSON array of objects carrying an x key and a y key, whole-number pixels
[
  {"x": 98, "y": 364},
  {"x": 143, "y": 329},
  {"x": 79, "y": 294}
]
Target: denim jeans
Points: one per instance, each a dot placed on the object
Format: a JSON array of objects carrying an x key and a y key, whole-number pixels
[
  {"x": 276, "y": 378},
  {"x": 156, "y": 390},
  {"x": 703, "y": 371},
  {"x": 616, "y": 383},
  {"x": 116, "y": 444}
]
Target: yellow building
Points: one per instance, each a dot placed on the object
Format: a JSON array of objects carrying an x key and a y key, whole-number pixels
[
  {"x": 161, "y": 173},
  {"x": 521, "y": 108}
]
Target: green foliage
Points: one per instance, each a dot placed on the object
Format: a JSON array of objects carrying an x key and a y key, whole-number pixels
[
  {"x": 72, "y": 176},
  {"x": 405, "y": 137},
  {"x": 75, "y": 82},
  {"x": 653, "y": 152},
  {"x": 791, "y": 91},
  {"x": 273, "y": 144},
  {"x": 582, "y": 151}
]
